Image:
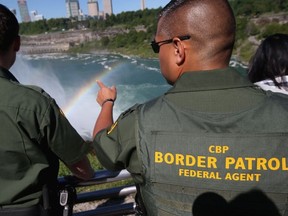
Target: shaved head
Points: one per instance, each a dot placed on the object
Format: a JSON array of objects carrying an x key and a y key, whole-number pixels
[{"x": 210, "y": 23}]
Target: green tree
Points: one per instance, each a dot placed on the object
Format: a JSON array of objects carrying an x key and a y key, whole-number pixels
[{"x": 273, "y": 29}]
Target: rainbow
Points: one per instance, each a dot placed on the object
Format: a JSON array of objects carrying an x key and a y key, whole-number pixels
[{"x": 90, "y": 86}]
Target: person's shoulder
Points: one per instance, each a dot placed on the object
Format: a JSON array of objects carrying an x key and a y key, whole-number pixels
[
  {"x": 31, "y": 96},
  {"x": 153, "y": 104},
  {"x": 278, "y": 98},
  {"x": 278, "y": 95},
  {"x": 34, "y": 91},
  {"x": 132, "y": 110}
]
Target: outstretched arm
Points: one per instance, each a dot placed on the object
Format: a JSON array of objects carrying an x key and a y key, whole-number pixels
[{"x": 105, "y": 98}]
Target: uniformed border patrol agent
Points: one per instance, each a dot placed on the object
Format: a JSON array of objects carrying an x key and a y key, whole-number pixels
[
  {"x": 34, "y": 135},
  {"x": 213, "y": 131}
]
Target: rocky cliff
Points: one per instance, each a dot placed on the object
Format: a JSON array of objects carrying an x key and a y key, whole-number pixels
[{"x": 58, "y": 42}]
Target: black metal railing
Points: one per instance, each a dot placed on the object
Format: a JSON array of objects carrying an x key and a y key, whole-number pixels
[{"x": 101, "y": 177}]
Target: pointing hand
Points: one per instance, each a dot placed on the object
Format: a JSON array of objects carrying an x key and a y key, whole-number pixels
[{"x": 106, "y": 94}]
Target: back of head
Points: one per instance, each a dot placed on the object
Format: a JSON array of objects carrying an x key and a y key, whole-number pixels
[
  {"x": 270, "y": 60},
  {"x": 9, "y": 28},
  {"x": 210, "y": 23}
]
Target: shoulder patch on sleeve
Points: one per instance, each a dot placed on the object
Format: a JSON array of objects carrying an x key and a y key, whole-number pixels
[{"x": 112, "y": 127}]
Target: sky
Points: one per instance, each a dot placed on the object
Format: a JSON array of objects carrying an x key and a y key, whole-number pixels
[{"x": 56, "y": 8}]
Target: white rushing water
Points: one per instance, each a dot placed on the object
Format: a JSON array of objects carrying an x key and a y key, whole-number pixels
[{"x": 71, "y": 80}]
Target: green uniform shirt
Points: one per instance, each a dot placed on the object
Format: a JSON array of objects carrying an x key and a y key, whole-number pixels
[
  {"x": 202, "y": 108},
  {"x": 34, "y": 135},
  {"x": 200, "y": 91}
]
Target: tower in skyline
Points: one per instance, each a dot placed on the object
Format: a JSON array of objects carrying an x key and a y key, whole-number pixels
[
  {"x": 24, "y": 13},
  {"x": 142, "y": 4},
  {"x": 107, "y": 5},
  {"x": 72, "y": 8},
  {"x": 93, "y": 8}
]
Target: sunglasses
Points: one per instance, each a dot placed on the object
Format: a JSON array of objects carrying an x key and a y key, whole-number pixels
[{"x": 156, "y": 47}]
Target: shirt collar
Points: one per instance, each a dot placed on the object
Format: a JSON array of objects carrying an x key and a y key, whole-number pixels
[
  {"x": 226, "y": 78},
  {"x": 4, "y": 73}
]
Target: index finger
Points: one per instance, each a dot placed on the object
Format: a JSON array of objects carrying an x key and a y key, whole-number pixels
[{"x": 100, "y": 84}]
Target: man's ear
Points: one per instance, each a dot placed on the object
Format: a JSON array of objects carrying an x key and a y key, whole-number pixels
[
  {"x": 17, "y": 43},
  {"x": 179, "y": 51}
]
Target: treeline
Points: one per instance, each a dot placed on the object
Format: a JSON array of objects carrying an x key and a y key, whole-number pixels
[
  {"x": 146, "y": 18},
  {"x": 140, "y": 26},
  {"x": 257, "y": 7},
  {"x": 257, "y": 19}
]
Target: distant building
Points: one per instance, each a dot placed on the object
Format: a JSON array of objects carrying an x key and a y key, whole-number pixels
[
  {"x": 107, "y": 5},
  {"x": 72, "y": 8},
  {"x": 24, "y": 13},
  {"x": 81, "y": 16},
  {"x": 142, "y": 4},
  {"x": 35, "y": 16},
  {"x": 93, "y": 8}
]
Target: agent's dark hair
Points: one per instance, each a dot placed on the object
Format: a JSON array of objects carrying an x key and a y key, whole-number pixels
[
  {"x": 270, "y": 60},
  {"x": 9, "y": 28}
]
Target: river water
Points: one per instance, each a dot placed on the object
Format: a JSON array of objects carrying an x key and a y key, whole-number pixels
[{"x": 71, "y": 80}]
